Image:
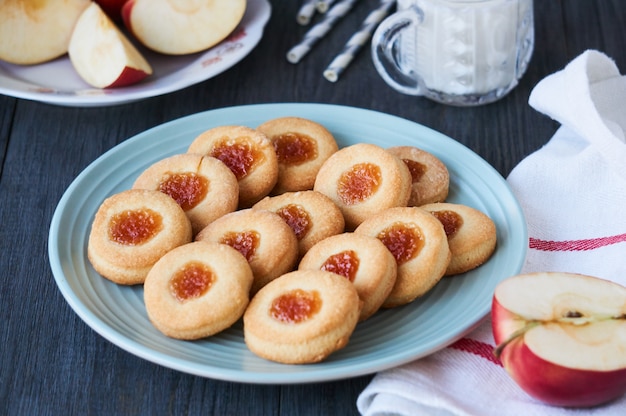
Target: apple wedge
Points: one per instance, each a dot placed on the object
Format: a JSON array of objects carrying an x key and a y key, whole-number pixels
[
  {"x": 33, "y": 32},
  {"x": 178, "y": 27},
  {"x": 562, "y": 336},
  {"x": 102, "y": 55}
]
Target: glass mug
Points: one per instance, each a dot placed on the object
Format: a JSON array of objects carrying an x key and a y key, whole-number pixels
[{"x": 457, "y": 52}]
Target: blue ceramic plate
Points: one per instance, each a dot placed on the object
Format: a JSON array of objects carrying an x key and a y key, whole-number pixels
[
  {"x": 389, "y": 338},
  {"x": 56, "y": 82}
]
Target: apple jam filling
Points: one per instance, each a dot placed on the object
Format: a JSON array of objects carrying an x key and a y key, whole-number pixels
[
  {"x": 403, "y": 240},
  {"x": 245, "y": 242},
  {"x": 297, "y": 218},
  {"x": 192, "y": 281},
  {"x": 345, "y": 263},
  {"x": 416, "y": 168},
  {"x": 238, "y": 155},
  {"x": 296, "y": 306},
  {"x": 359, "y": 183},
  {"x": 451, "y": 221},
  {"x": 134, "y": 227},
  {"x": 294, "y": 148},
  {"x": 187, "y": 189}
]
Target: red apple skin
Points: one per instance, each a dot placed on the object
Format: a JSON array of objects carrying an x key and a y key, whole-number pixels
[
  {"x": 548, "y": 382},
  {"x": 125, "y": 13},
  {"x": 113, "y": 8},
  {"x": 128, "y": 76}
]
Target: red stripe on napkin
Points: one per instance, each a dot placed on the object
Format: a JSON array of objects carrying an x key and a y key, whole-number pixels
[
  {"x": 575, "y": 245},
  {"x": 482, "y": 349}
]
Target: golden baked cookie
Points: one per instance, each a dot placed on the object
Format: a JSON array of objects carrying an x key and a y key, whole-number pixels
[
  {"x": 263, "y": 237},
  {"x": 301, "y": 317},
  {"x": 203, "y": 186},
  {"x": 132, "y": 230},
  {"x": 197, "y": 290},
  {"x": 363, "y": 260},
  {"x": 248, "y": 153},
  {"x": 430, "y": 176},
  {"x": 312, "y": 215},
  {"x": 364, "y": 179},
  {"x": 302, "y": 146},
  {"x": 419, "y": 244},
  {"x": 471, "y": 235}
]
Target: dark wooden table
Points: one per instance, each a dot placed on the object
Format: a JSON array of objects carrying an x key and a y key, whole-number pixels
[{"x": 52, "y": 363}]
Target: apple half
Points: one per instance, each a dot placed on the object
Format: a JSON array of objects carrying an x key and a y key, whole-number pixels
[
  {"x": 562, "y": 336},
  {"x": 178, "y": 27},
  {"x": 102, "y": 55},
  {"x": 33, "y": 32}
]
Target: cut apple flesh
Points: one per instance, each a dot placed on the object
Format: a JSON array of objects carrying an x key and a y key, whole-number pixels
[
  {"x": 182, "y": 26},
  {"x": 33, "y": 32},
  {"x": 562, "y": 336},
  {"x": 102, "y": 55}
]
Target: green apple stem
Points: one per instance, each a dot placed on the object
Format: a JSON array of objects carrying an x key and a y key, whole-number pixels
[{"x": 498, "y": 350}]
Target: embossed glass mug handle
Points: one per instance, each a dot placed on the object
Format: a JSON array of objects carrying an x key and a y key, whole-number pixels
[{"x": 395, "y": 64}]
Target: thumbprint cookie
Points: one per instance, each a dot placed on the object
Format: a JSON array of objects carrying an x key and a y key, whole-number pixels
[
  {"x": 248, "y": 153},
  {"x": 264, "y": 239},
  {"x": 203, "y": 186},
  {"x": 363, "y": 260},
  {"x": 132, "y": 230},
  {"x": 197, "y": 290},
  {"x": 430, "y": 176},
  {"x": 302, "y": 146},
  {"x": 471, "y": 235},
  {"x": 312, "y": 215},
  {"x": 418, "y": 242},
  {"x": 364, "y": 179},
  {"x": 301, "y": 317}
]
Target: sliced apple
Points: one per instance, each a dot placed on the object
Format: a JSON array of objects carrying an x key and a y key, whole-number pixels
[
  {"x": 562, "y": 336},
  {"x": 101, "y": 53},
  {"x": 177, "y": 27},
  {"x": 37, "y": 31}
]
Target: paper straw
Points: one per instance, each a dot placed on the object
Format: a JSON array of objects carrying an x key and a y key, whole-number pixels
[
  {"x": 319, "y": 30},
  {"x": 306, "y": 12},
  {"x": 324, "y": 5},
  {"x": 357, "y": 41}
]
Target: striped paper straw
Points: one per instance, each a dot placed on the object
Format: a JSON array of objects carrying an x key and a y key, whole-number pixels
[
  {"x": 319, "y": 30},
  {"x": 357, "y": 41},
  {"x": 306, "y": 12},
  {"x": 324, "y": 5}
]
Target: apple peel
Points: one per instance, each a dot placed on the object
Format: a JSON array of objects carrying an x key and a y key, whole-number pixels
[{"x": 562, "y": 337}]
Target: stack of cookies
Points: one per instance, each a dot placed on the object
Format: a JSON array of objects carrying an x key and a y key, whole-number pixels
[{"x": 280, "y": 227}]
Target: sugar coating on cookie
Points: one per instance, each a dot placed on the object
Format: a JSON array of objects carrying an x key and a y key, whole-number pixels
[
  {"x": 132, "y": 230},
  {"x": 202, "y": 185},
  {"x": 301, "y": 317},
  {"x": 471, "y": 235},
  {"x": 419, "y": 244},
  {"x": 363, "y": 260},
  {"x": 197, "y": 290},
  {"x": 248, "y": 153},
  {"x": 302, "y": 146},
  {"x": 430, "y": 176},
  {"x": 312, "y": 215},
  {"x": 263, "y": 237},
  {"x": 364, "y": 179}
]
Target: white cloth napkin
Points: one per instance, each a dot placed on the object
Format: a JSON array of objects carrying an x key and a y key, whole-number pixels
[{"x": 573, "y": 194}]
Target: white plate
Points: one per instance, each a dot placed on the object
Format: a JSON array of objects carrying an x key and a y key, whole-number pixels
[
  {"x": 57, "y": 82},
  {"x": 389, "y": 338}
]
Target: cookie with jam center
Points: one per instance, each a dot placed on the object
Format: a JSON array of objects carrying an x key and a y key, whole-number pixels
[
  {"x": 419, "y": 244},
  {"x": 248, "y": 153},
  {"x": 132, "y": 230},
  {"x": 471, "y": 235},
  {"x": 302, "y": 146},
  {"x": 301, "y": 317}
]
